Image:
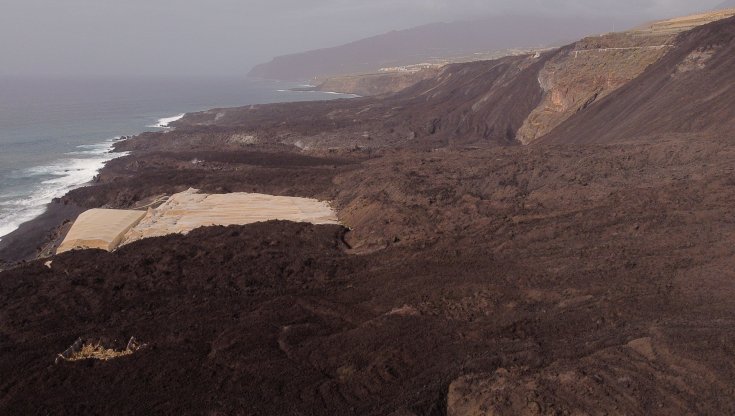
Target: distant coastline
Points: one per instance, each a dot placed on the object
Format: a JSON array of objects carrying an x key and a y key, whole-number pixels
[
  {"x": 314, "y": 88},
  {"x": 164, "y": 123},
  {"x": 27, "y": 194}
]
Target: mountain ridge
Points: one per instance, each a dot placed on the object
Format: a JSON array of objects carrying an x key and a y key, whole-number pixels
[{"x": 431, "y": 41}]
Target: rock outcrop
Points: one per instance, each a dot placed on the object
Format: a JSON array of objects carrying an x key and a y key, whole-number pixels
[
  {"x": 587, "y": 71},
  {"x": 689, "y": 90}
]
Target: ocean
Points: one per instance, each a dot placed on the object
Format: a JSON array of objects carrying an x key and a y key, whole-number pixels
[{"x": 56, "y": 134}]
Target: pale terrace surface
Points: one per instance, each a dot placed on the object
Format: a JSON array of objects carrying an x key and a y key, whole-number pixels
[
  {"x": 681, "y": 24},
  {"x": 100, "y": 228},
  {"x": 188, "y": 210}
]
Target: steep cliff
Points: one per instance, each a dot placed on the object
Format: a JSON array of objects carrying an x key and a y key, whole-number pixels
[
  {"x": 690, "y": 90},
  {"x": 587, "y": 71},
  {"x": 482, "y": 102},
  {"x": 519, "y": 99}
]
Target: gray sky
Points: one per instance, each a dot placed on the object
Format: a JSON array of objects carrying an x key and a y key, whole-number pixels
[{"x": 227, "y": 37}]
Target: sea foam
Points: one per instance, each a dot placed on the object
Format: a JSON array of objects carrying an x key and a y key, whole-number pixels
[
  {"x": 164, "y": 123},
  {"x": 52, "y": 181}
]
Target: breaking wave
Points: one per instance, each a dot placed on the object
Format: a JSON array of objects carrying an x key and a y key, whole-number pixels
[
  {"x": 165, "y": 122},
  {"x": 33, "y": 188}
]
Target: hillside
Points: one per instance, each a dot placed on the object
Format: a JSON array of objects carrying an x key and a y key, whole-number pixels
[
  {"x": 590, "y": 271},
  {"x": 438, "y": 40},
  {"x": 512, "y": 100},
  {"x": 485, "y": 101},
  {"x": 376, "y": 83},
  {"x": 690, "y": 90},
  {"x": 587, "y": 71}
]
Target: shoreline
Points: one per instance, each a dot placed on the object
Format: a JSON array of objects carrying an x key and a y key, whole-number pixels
[
  {"x": 317, "y": 90},
  {"x": 37, "y": 235},
  {"x": 48, "y": 180},
  {"x": 33, "y": 239},
  {"x": 163, "y": 124},
  {"x": 18, "y": 245}
]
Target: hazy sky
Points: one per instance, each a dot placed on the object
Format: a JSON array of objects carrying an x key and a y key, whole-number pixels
[{"x": 227, "y": 37}]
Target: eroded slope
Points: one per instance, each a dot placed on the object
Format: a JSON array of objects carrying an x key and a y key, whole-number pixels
[
  {"x": 506, "y": 101},
  {"x": 689, "y": 91}
]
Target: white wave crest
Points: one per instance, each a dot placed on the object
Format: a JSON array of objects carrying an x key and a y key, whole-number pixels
[
  {"x": 163, "y": 123},
  {"x": 62, "y": 176}
]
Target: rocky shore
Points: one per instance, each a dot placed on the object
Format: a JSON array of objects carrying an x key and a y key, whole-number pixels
[{"x": 471, "y": 275}]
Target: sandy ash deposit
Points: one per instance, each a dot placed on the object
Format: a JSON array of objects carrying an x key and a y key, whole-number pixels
[{"x": 590, "y": 271}]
